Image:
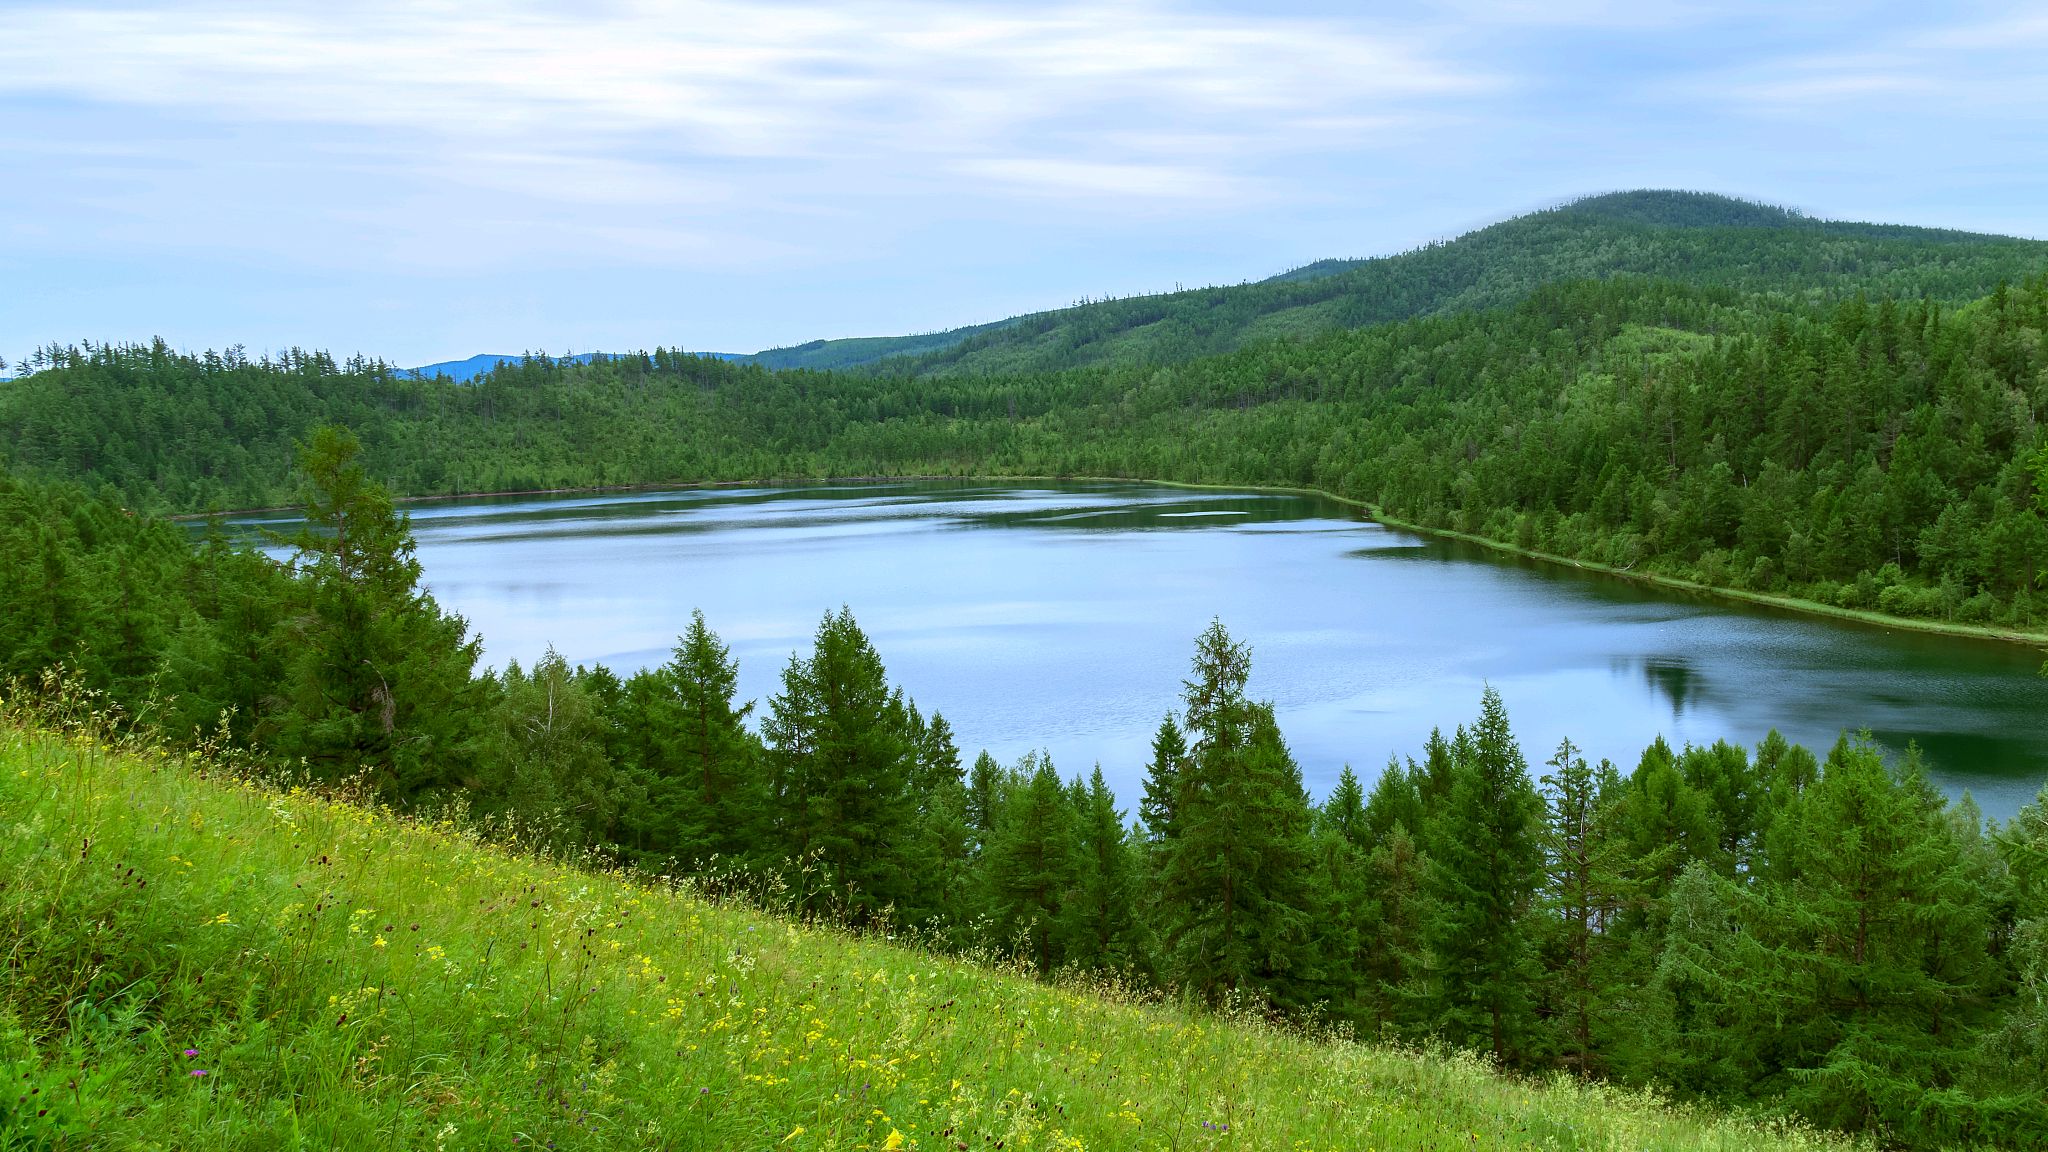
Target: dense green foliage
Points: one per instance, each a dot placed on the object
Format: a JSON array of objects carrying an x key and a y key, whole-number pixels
[
  {"x": 1881, "y": 456},
  {"x": 199, "y": 964},
  {"x": 853, "y": 352},
  {"x": 1832, "y": 939},
  {"x": 1826, "y": 937}
]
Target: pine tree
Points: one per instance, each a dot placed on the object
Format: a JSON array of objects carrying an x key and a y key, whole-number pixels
[
  {"x": 708, "y": 760},
  {"x": 1583, "y": 892},
  {"x": 1486, "y": 864},
  {"x": 381, "y": 679},
  {"x": 984, "y": 799},
  {"x": 944, "y": 840},
  {"x": 1344, "y": 811},
  {"x": 1162, "y": 781},
  {"x": 548, "y": 763},
  {"x": 1105, "y": 931},
  {"x": 1034, "y": 862},
  {"x": 1882, "y": 939},
  {"x": 840, "y": 765},
  {"x": 1236, "y": 875},
  {"x": 1396, "y": 800}
]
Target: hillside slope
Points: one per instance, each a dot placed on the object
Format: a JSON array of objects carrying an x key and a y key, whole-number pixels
[
  {"x": 1873, "y": 456},
  {"x": 206, "y": 964},
  {"x": 1694, "y": 238},
  {"x": 830, "y": 355}
]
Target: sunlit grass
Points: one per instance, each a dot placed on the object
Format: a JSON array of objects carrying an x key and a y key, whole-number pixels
[{"x": 205, "y": 963}]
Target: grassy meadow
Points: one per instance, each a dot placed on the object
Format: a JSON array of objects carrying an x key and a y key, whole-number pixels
[{"x": 194, "y": 961}]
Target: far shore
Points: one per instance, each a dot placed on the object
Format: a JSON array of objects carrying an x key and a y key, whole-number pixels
[{"x": 1738, "y": 595}]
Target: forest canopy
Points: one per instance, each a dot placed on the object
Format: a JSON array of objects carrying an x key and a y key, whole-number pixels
[
  {"x": 1883, "y": 455},
  {"x": 1823, "y": 935},
  {"x": 1663, "y": 384}
]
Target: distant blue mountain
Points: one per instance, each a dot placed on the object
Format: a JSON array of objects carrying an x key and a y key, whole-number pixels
[{"x": 463, "y": 371}]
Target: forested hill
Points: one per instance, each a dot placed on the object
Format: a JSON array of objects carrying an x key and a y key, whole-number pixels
[
  {"x": 1886, "y": 455},
  {"x": 1697, "y": 238}
]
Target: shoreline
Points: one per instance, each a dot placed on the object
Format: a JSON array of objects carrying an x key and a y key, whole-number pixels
[{"x": 1858, "y": 616}]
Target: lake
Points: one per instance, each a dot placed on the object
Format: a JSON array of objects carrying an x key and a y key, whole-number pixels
[{"x": 1062, "y": 617}]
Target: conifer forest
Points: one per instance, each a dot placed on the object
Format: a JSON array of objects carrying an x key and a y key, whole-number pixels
[{"x": 1842, "y": 417}]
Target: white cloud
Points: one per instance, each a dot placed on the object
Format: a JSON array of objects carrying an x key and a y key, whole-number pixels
[
  {"x": 549, "y": 95},
  {"x": 1963, "y": 58}
]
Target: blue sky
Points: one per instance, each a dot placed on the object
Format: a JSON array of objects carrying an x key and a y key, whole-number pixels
[{"x": 423, "y": 181}]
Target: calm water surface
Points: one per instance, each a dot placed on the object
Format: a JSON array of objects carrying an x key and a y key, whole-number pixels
[{"x": 1062, "y": 617}]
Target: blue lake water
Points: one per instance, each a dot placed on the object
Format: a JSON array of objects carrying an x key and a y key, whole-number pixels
[{"x": 1063, "y": 616}]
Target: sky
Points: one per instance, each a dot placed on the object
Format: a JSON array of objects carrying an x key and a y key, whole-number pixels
[{"x": 422, "y": 181}]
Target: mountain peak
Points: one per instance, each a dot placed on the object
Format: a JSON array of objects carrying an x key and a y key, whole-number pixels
[{"x": 1675, "y": 208}]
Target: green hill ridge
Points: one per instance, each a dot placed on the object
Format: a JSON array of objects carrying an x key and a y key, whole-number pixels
[{"x": 1694, "y": 237}]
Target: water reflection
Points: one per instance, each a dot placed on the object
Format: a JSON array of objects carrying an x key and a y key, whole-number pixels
[{"x": 1672, "y": 677}]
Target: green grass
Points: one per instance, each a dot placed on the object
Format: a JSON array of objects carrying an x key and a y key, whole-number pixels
[{"x": 348, "y": 979}]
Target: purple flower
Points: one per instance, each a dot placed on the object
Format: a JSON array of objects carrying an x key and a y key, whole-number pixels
[
  {"x": 191, "y": 1051},
  {"x": 198, "y": 1072}
]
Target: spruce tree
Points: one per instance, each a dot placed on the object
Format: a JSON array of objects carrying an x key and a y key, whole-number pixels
[
  {"x": 1784, "y": 772},
  {"x": 1396, "y": 868},
  {"x": 1722, "y": 773},
  {"x": 1393, "y": 936},
  {"x": 2014, "y": 1055},
  {"x": 548, "y": 765},
  {"x": 1660, "y": 826},
  {"x": 1664, "y": 824},
  {"x": 1486, "y": 865}
]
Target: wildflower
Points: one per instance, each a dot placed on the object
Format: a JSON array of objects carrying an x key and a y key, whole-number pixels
[
  {"x": 191, "y": 1051},
  {"x": 198, "y": 1072},
  {"x": 894, "y": 1143},
  {"x": 793, "y": 1133}
]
